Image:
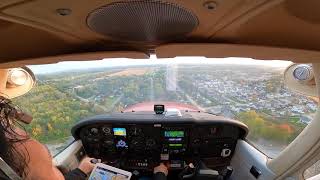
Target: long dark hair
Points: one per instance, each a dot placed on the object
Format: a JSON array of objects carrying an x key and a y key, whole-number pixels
[{"x": 10, "y": 139}]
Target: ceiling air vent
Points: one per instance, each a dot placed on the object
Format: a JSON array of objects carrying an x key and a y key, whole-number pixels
[{"x": 142, "y": 21}]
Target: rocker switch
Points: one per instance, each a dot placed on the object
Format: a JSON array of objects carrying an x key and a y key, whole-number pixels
[{"x": 255, "y": 172}]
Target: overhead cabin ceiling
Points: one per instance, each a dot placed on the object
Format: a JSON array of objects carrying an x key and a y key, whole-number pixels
[{"x": 32, "y": 30}]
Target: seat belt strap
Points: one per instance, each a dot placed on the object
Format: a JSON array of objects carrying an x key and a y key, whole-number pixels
[{"x": 8, "y": 171}]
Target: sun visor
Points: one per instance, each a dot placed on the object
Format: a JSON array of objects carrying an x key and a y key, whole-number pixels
[
  {"x": 76, "y": 57},
  {"x": 233, "y": 50},
  {"x": 15, "y": 82}
]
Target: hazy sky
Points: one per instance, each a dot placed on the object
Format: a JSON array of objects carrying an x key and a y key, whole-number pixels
[{"x": 122, "y": 62}]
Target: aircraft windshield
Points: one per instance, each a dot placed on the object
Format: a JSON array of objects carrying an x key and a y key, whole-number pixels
[{"x": 247, "y": 90}]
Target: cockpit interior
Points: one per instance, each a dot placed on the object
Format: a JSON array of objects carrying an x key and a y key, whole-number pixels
[{"x": 135, "y": 138}]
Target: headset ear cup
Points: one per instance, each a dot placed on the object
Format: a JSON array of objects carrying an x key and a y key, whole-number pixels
[
  {"x": 9, "y": 90},
  {"x": 14, "y": 112},
  {"x": 142, "y": 21},
  {"x": 23, "y": 117}
]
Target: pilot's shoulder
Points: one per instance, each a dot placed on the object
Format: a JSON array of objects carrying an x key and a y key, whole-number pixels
[
  {"x": 35, "y": 149},
  {"x": 40, "y": 162}
]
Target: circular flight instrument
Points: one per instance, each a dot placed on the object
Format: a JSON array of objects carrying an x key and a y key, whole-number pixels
[
  {"x": 303, "y": 72},
  {"x": 94, "y": 131},
  {"x": 137, "y": 144},
  {"x": 135, "y": 131},
  {"x": 150, "y": 143},
  {"x": 106, "y": 130}
]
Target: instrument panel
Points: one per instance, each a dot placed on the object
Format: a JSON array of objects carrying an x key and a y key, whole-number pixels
[{"x": 142, "y": 143}]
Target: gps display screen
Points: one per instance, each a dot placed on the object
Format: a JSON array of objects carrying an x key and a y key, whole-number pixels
[
  {"x": 174, "y": 134},
  {"x": 119, "y": 131}
]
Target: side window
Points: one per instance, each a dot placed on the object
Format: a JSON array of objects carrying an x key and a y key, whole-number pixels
[
  {"x": 54, "y": 113},
  {"x": 253, "y": 94},
  {"x": 274, "y": 114}
]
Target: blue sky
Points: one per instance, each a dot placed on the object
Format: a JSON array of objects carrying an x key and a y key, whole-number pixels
[{"x": 123, "y": 62}]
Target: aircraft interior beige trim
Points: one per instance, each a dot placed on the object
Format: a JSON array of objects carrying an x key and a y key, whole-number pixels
[
  {"x": 212, "y": 50},
  {"x": 33, "y": 28},
  {"x": 67, "y": 159},
  {"x": 238, "y": 21},
  {"x": 308, "y": 162},
  {"x": 32, "y": 32},
  {"x": 76, "y": 24},
  {"x": 307, "y": 143},
  {"x": 208, "y": 50},
  {"x": 76, "y": 57}
]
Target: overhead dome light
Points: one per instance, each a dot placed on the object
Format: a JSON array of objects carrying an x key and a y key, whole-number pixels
[
  {"x": 210, "y": 5},
  {"x": 64, "y": 11},
  {"x": 17, "y": 77}
]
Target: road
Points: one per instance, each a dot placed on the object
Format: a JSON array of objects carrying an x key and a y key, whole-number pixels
[
  {"x": 91, "y": 100},
  {"x": 193, "y": 102},
  {"x": 116, "y": 102},
  {"x": 151, "y": 89}
]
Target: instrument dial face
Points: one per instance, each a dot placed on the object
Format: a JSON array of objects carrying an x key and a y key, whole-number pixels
[
  {"x": 150, "y": 143},
  {"x": 137, "y": 144},
  {"x": 106, "y": 130},
  {"x": 302, "y": 73},
  {"x": 135, "y": 131},
  {"x": 94, "y": 131}
]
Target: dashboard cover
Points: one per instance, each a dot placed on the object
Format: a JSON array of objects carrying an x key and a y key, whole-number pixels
[{"x": 152, "y": 118}]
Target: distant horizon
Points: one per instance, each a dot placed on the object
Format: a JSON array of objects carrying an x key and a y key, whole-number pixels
[{"x": 66, "y": 66}]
